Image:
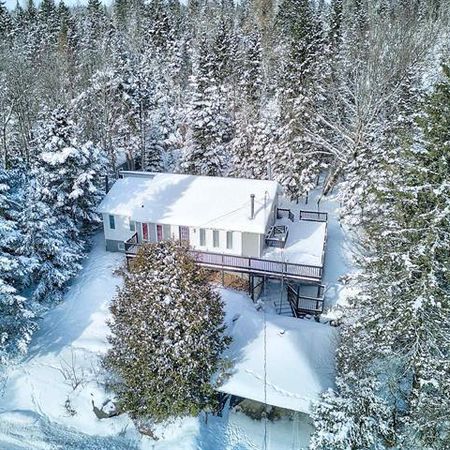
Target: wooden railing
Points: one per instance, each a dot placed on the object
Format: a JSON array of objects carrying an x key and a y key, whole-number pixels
[
  {"x": 131, "y": 244},
  {"x": 285, "y": 212},
  {"x": 258, "y": 266},
  {"x": 313, "y": 216},
  {"x": 302, "y": 304}
]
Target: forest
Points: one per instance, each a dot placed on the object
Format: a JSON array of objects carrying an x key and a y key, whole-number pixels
[{"x": 357, "y": 91}]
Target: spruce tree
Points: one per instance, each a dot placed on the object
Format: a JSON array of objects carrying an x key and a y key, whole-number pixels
[
  {"x": 167, "y": 335},
  {"x": 398, "y": 333}
]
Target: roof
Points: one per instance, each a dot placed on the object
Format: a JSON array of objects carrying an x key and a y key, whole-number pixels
[
  {"x": 194, "y": 201},
  {"x": 299, "y": 356}
]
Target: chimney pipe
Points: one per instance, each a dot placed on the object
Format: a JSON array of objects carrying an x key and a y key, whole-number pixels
[{"x": 252, "y": 206}]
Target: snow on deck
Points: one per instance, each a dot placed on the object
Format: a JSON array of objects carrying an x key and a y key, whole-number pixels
[
  {"x": 300, "y": 356},
  {"x": 304, "y": 245},
  {"x": 195, "y": 201}
]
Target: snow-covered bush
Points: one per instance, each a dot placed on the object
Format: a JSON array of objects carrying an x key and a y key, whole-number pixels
[{"x": 167, "y": 335}]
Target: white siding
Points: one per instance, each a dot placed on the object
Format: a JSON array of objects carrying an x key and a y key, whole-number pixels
[
  {"x": 122, "y": 228},
  {"x": 194, "y": 235}
]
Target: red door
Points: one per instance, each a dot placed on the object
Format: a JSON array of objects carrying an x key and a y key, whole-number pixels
[
  {"x": 145, "y": 232},
  {"x": 184, "y": 234},
  {"x": 159, "y": 232}
]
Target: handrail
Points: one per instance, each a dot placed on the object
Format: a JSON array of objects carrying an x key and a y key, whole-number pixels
[
  {"x": 313, "y": 216},
  {"x": 290, "y": 214},
  {"x": 244, "y": 263}
]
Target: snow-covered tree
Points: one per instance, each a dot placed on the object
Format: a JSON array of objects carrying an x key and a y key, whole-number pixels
[
  {"x": 17, "y": 318},
  {"x": 62, "y": 193},
  {"x": 398, "y": 335},
  {"x": 208, "y": 122},
  {"x": 167, "y": 335}
]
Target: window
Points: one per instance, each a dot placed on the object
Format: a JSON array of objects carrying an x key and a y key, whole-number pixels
[
  {"x": 121, "y": 246},
  {"x": 132, "y": 225},
  {"x": 215, "y": 238},
  {"x": 166, "y": 231},
  {"x": 229, "y": 239},
  {"x": 112, "y": 223},
  {"x": 202, "y": 237},
  {"x": 159, "y": 233}
]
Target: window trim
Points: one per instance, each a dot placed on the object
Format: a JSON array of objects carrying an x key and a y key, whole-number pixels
[{"x": 112, "y": 222}]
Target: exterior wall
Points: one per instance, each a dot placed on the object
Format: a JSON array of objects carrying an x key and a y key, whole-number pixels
[
  {"x": 194, "y": 239},
  {"x": 114, "y": 246},
  {"x": 251, "y": 245},
  {"x": 121, "y": 232},
  {"x": 244, "y": 244}
]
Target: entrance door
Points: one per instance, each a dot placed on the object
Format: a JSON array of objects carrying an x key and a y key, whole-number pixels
[
  {"x": 145, "y": 232},
  {"x": 159, "y": 232},
  {"x": 184, "y": 234}
]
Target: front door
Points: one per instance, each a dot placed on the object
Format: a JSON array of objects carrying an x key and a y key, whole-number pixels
[
  {"x": 145, "y": 232},
  {"x": 184, "y": 234},
  {"x": 159, "y": 232}
]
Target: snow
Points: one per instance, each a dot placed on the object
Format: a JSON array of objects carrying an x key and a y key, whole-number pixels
[
  {"x": 299, "y": 356},
  {"x": 304, "y": 245},
  {"x": 194, "y": 201},
  {"x": 32, "y": 412}
]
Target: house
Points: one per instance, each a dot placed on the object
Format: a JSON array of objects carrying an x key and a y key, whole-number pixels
[
  {"x": 231, "y": 225},
  {"x": 214, "y": 214}
]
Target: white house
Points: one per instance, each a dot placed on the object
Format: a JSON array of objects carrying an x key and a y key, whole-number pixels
[{"x": 214, "y": 214}]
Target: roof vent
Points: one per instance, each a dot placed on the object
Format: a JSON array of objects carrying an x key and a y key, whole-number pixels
[{"x": 252, "y": 206}]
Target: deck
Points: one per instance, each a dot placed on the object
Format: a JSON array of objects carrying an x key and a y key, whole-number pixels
[
  {"x": 254, "y": 266},
  {"x": 310, "y": 225}
]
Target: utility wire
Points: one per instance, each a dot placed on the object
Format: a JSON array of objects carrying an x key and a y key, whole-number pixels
[{"x": 265, "y": 380}]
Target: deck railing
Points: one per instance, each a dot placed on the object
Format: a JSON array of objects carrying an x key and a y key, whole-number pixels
[
  {"x": 285, "y": 212},
  {"x": 243, "y": 264},
  {"x": 258, "y": 266},
  {"x": 313, "y": 216},
  {"x": 131, "y": 243},
  {"x": 303, "y": 304}
]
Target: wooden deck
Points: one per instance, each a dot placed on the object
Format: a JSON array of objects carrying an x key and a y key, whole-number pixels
[{"x": 242, "y": 264}]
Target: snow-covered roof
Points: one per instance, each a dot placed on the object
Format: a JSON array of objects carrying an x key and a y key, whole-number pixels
[
  {"x": 194, "y": 201},
  {"x": 299, "y": 356}
]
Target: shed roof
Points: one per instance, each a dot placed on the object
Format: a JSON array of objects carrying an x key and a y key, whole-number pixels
[
  {"x": 296, "y": 355},
  {"x": 195, "y": 201}
]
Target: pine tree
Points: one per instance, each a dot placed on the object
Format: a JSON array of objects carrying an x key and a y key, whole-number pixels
[
  {"x": 398, "y": 335},
  {"x": 62, "y": 194},
  {"x": 206, "y": 151},
  {"x": 167, "y": 335},
  {"x": 17, "y": 318}
]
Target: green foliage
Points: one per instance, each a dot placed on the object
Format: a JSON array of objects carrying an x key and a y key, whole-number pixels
[{"x": 167, "y": 335}]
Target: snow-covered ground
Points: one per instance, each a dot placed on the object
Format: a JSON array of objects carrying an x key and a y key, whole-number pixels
[{"x": 46, "y": 400}]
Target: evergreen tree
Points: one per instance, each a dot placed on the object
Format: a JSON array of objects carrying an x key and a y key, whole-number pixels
[
  {"x": 167, "y": 335},
  {"x": 400, "y": 336},
  {"x": 17, "y": 318},
  {"x": 63, "y": 192},
  {"x": 206, "y": 150}
]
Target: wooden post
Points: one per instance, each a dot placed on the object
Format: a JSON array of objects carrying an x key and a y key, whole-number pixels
[{"x": 223, "y": 274}]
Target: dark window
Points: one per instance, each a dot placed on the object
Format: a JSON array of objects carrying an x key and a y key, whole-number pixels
[
  {"x": 229, "y": 239},
  {"x": 202, "y": 237},
  {"x": 215, "y": 238},
  {"x": 112, "y": 223},
  {"x": 132, "y": 225}
]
